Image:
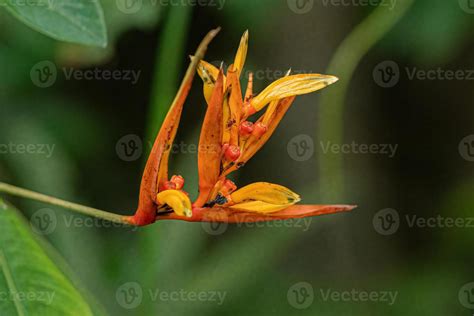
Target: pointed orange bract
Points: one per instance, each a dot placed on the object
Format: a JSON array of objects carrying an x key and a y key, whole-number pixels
[
  {"x": 235, "y": 106},
  {"x": 156, "y": 169},
  {"x": 210, "y": 150}
]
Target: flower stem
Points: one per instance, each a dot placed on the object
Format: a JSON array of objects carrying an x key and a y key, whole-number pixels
[{"x": 17, "y": 191}]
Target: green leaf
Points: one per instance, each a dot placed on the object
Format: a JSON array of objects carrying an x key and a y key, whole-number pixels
[
  {"x": 30, "y": 283},
  {"x": 77, "y": 21}
]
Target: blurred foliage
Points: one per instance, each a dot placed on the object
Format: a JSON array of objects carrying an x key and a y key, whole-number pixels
[
  {"x": 30, "y": 270},
  {"x": 432, "y": 33},
  {"x": 78, "y": 21}
]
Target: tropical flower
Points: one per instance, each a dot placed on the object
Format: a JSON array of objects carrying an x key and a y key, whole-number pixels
[{"x": 228, "y": 139}]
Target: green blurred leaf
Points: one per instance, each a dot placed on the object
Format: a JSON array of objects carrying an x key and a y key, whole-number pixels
[
  {"x": 118, "y": 21},
  {"x": 32, "y": 283},
  {"x": 57, "y": 175},
  {"x": 77, "y": 21}
]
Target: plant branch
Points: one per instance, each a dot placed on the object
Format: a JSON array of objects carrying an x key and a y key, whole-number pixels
[{"x": 16, "y": 191}]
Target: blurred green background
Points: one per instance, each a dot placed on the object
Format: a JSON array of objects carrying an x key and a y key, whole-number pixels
[{"x": 250, "y": 270}]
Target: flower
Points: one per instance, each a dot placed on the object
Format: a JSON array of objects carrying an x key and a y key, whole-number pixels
[{"x": 227, "y": 141}]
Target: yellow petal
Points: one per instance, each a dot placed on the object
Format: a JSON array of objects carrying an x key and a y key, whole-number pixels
[
  {"x": 265, "y": 192},
  {"x": 208, "y": 74},
  {"x": 272, "y": 107},
  {"x": 258, "y": 207},
  {"x": 241, "y": 55},
  {"x": 291, "y": 86},
  {"x": 177, "y": 200}
]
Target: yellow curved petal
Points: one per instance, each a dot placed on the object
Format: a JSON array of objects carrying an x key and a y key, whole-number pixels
[
  {"x": 208, "y": 74},
  {"x": 291, "y": 86},
  {"x": 241, "y": 55},
  {"x": 265, "y": 192},
  {"x": 177, "y": 200},
  {"x": 258, "y": 207}
]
